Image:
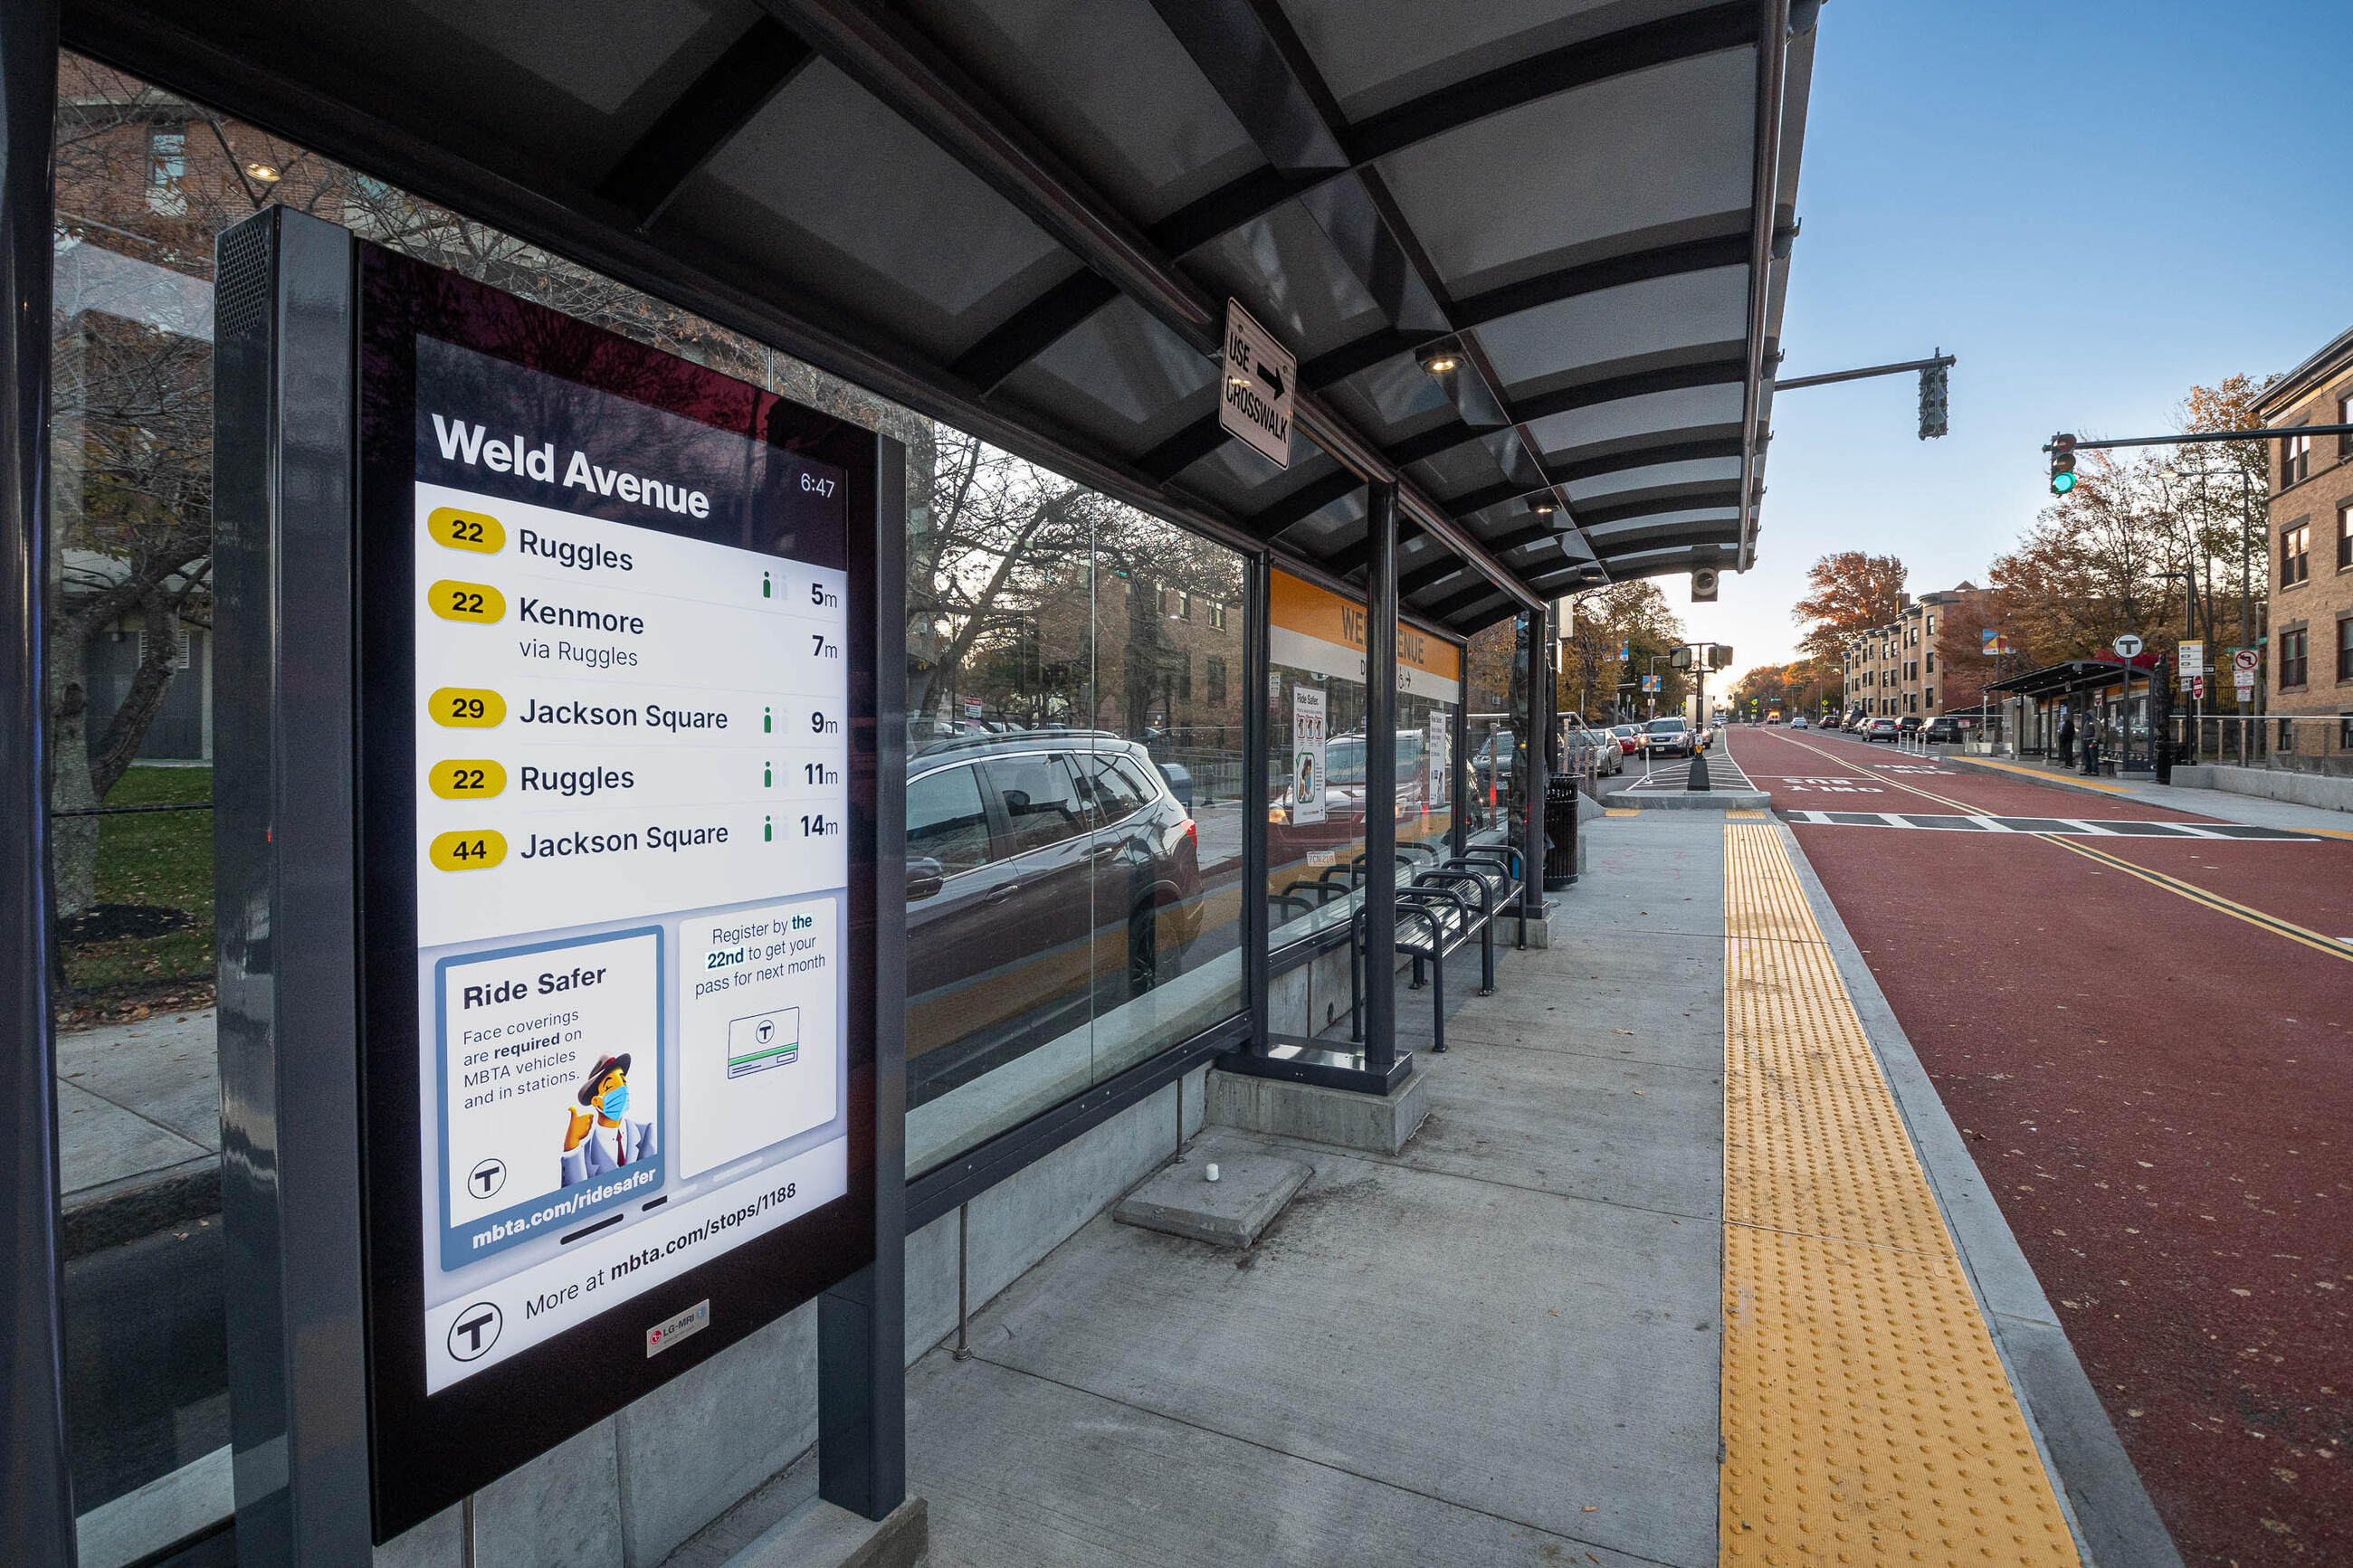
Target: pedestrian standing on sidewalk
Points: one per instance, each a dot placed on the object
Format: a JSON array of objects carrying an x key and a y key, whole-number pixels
[{"x": 2067, "y": 741}]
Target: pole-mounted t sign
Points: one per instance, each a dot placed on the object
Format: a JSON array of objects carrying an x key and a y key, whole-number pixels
[
  {"x": 2128, "y": 646},
  {"x": 1256, "y": 401}
]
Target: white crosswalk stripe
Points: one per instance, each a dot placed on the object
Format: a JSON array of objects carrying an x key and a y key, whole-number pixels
[{"x": 2075, "y": 827}]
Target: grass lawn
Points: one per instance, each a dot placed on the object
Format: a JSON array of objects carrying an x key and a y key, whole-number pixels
[{"x": 160, "y": 859}]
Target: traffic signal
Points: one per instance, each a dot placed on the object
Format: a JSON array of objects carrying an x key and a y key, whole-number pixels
[
  {"x": 1932, "y": 402},
  {"x": 2062, "y": 464}
]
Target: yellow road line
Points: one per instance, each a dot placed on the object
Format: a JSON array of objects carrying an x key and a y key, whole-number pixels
[
  {"x": 2190, "y": 890},
  {"x": 1866, "y": 1415},
  {"x": 2197, "y": 895}
]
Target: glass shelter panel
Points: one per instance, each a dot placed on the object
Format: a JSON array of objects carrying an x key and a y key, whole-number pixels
[
  {"x": 1495, "y": 677},
  {"x": 1074, "y": 664},
  {"x": 1314, "y": 783}
]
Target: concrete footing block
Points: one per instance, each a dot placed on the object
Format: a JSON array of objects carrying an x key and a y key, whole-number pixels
[
  {"x": 1250, "y": 1191},
  {"x": 1695, "y": 800},
  {"x": 1378, "y": 1123},
  {"x": 818, "y": 1534}
]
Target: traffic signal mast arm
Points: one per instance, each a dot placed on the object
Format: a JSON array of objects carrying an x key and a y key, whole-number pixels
[
  {"x": 1933, "y": 422},
  {"x": 2266, "y": 432},
  {"x": 1795, "y": 382}
]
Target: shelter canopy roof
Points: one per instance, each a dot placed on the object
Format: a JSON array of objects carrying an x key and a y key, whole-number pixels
[{"x": 1024, "y": 218}]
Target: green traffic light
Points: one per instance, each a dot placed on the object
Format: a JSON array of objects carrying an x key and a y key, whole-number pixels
[{"x": 2062, "y": 483}]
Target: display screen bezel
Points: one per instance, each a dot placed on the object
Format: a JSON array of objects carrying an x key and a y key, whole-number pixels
[{"x": 427, "y": 1452}]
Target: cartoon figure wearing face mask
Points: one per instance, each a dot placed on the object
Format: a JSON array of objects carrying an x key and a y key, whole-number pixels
[{"x": 604, "y": 1139}]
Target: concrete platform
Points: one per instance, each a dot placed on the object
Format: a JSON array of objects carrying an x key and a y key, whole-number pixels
[
  {"x": 1231, "y": 1211},
  {"x": 1498, "y": 1342}
]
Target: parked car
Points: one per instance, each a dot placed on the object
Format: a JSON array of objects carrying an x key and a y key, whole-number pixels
[
  {"x": 1881, "y": 729},
  {"x": 1946, "y": 730},
  {"x": 1630, "y": 737},
  {"x": 1051, "y": 876},
  {"x": 1488, "y": 779},
  {"x": 1668, "y": 738},
  {"x": 1909, "y": 724},
  {"x": 1585, "y": 750}
]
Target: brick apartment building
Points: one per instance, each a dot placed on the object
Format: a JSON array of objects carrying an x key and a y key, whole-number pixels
[
  {"x": 1893, "y": 670},
  {"x": 2309, "y": 654}
]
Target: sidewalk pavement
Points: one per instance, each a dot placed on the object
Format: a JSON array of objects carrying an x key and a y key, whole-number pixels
[
  {"x": 1506, "y": 1343},
  {"x": 139, "y": 1128}
]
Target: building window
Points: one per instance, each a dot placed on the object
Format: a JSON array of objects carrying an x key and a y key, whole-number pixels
[
  {"x": 2345, "y": 536},
  {"x": 2295, "y": 553},
  {"x": 2345, "y": 417},
  {"x": 1213, "y": 669},
  {"x": 1929, "y": 698},
  {"x": 1183, "y": 678},
  {"x": 167, "y": 165},
  {"x": 2345, "y": 648},
  {"x": 2291, "y": 658},
  {"x": 2345, "y": 732},
  {"x": 1217, "y": 617},
  {"x": 2295, "y": 459},
  {"x": 1183, "y": 606},
  {"x": 1932, "y": 662},
  {"x": 2288, "y": 735}
]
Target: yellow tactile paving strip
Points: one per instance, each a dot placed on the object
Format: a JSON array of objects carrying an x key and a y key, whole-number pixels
[{"x": 1866, "y": 1416}]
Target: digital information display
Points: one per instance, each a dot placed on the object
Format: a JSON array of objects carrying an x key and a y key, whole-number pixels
[
  {"x": 561, "y": 1006},
  {"x": 631, "y": 805}
]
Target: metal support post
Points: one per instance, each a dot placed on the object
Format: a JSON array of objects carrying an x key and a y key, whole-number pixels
[
  {"x": 1537, "y": 780},
  {"x": 286, "y": 856},
  {"x": 962, "y": 1350},
  {"x": 1458, "y": 782},
  {"x": 1380, "y": 776},
  {"x": 862, "y": 1407},
  {"x": 37, "y": 1519},
  {"x": 1257, "y": 770}
]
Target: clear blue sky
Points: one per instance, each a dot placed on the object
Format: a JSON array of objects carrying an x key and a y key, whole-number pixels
[{"x": 2095, "y": 205}]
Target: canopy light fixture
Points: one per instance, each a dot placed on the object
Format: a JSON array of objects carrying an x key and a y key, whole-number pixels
[
  {"x": 1542, "y": 506},
  {"x": 1441, "y": 361},
  {"x": 267, "y": 173}
]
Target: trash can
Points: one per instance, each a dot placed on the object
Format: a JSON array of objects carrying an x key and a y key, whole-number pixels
[{"x": 1561, "y": 832}]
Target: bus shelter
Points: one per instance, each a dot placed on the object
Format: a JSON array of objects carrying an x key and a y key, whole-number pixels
[{"x": 1314, "y": 352}]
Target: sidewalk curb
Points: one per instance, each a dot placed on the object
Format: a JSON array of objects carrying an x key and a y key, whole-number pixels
[
  {"x": 2057, "y": 781},
  {"x": 2116, "y": 1524}
]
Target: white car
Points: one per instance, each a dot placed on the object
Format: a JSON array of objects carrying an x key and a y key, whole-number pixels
[{"x": 1799, "y": 722}]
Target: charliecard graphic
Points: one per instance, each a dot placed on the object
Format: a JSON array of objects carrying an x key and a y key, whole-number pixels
[{"x": 550, "y": 1065}]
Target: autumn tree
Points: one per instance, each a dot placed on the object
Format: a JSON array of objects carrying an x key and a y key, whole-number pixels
[
  {"x": 146, "y": 182},
  {"x": 1850, "y": 592},
  {"x": 1632, "y": 617},
  {"x": 2226, "y": 486}
]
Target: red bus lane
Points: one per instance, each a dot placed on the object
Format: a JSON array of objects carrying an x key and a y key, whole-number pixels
[{"x": 2158, "y": 1089}]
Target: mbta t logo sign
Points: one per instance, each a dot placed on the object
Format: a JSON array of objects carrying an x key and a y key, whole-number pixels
[{"x": 475, "y": 1331}]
